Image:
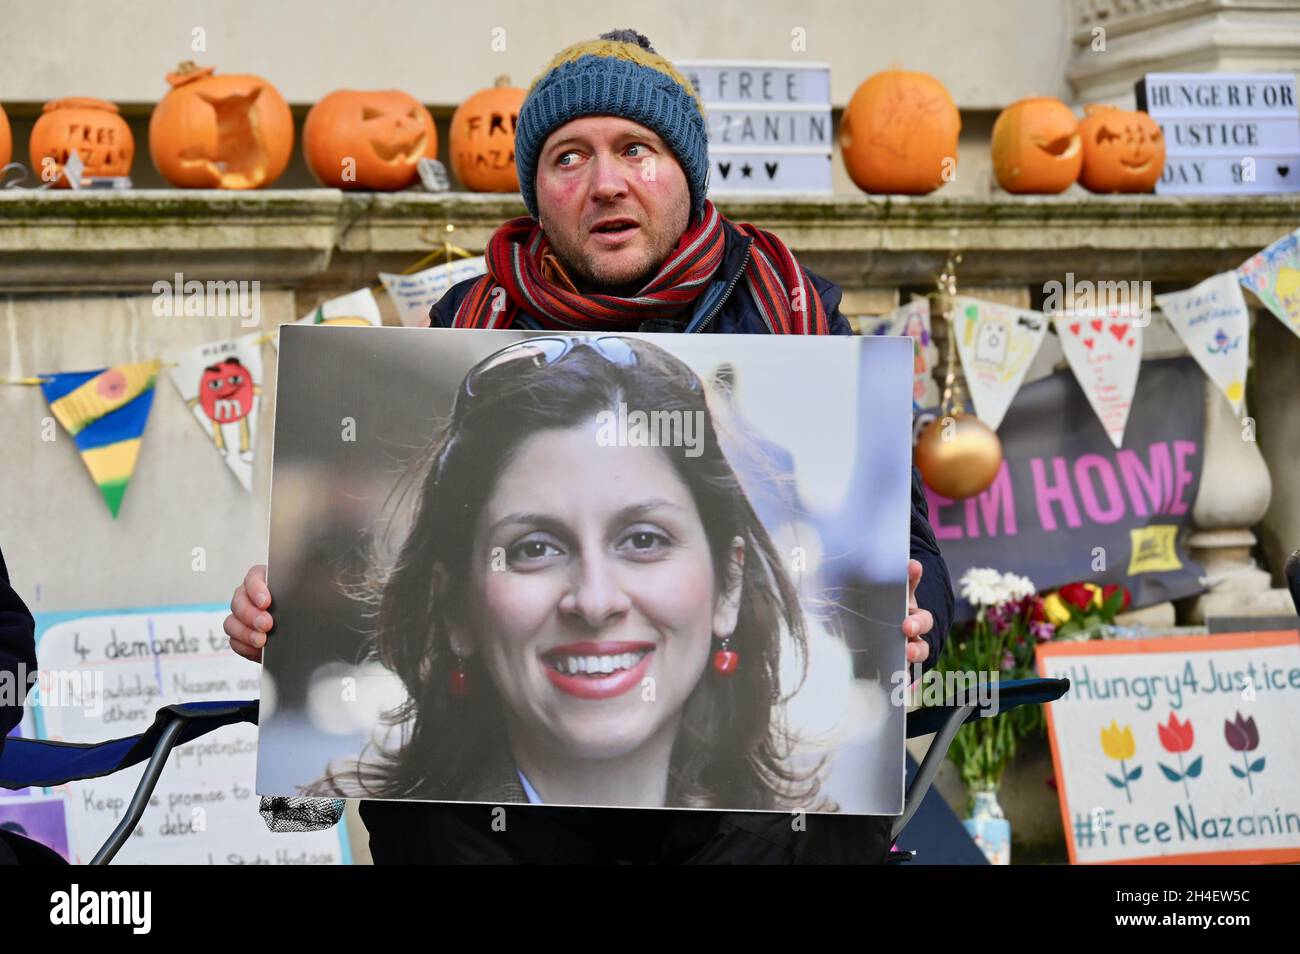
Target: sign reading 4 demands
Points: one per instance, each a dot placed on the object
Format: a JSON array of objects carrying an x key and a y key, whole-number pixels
[
  {"x": 1224, "y": 132},
  {"x": 1178, "y": 750},
  {"x": 770, "y": 125}
]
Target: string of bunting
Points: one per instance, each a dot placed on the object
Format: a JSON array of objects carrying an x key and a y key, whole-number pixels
[{"x": 105, "y": 410}]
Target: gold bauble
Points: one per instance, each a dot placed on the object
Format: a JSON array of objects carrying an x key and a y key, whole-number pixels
[{"x": 958, "y": 456}]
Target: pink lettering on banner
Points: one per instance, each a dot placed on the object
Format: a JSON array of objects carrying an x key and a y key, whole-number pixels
[
  {"x": 1183, "y": 476},
  {"x": 1148, "y": 488},
  {"x": 1060, "y": 492},
  {"x": 937, "y": 502},
  {"x": 996, "y": 501},
  {"x": 1096, "y": 464}
]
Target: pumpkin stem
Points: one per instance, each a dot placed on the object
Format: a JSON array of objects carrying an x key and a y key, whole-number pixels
[
  {"x": 502, "y": 80},
  {"x": 187, "y": 72}
]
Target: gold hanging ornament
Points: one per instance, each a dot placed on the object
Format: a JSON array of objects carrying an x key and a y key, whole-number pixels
[{"x": 957, "y": 453}]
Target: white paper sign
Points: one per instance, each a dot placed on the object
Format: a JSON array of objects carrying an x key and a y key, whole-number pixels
[
  {"x": 913, "y": 321},
  {"x": 1180, "y": 749},
  {"x": 221, "y": 382},
  {"x": 415, "y": 294},
  {"x": 1105, "y": 355},
  {"x": 1214, "y": 323},
  {"x": 996, "y": 344},
  {"x": 769, "y": 172},
  {"x": 204, "y": 810},
  {"x": 758, "y": 83}
]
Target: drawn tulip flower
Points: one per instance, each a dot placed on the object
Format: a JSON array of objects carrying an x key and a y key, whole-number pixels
[
  {"x": 1243, "y": 737},
  {"x": 1118, "y": 744},
  {"x": 1177, "y": 737}
]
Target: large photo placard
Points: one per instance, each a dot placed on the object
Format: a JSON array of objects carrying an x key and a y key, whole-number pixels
[{"x": 604, "y": 570}]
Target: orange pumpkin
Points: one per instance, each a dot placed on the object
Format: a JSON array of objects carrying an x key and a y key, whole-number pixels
[
  {"x": 372, "y": 140},
  {"x": 1036, "y": 146},
  {"x": 899, "y": 134},
  {"x": 483, "y": 138},
  {"x": 1122, "y": 151},
  {"x": 220, "y": 132},
  {"x": 91, "y": 127},
  {"x": 6, "y": 139}
]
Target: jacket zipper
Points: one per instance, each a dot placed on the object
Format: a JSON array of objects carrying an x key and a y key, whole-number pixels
[{"x": 727, "y": 294}]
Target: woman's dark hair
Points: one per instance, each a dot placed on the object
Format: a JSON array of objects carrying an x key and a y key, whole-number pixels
[{"x": 732, "y": 747}]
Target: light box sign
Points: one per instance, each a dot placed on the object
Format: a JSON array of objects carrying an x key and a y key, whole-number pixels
[
  {"x": 770, "y": 126},
  {"x": 1178, "y": 750},
  {"x": 1225, "y": 133}
]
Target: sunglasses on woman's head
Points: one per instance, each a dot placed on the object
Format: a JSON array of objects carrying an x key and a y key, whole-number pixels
[{"x": 546, "y": 350}]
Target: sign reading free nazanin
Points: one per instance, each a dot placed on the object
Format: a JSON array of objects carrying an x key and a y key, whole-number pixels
[{"x": 1179, "y": 750}]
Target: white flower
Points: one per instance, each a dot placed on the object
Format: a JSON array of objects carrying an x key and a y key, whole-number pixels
[{"x": 984, "y": 586}]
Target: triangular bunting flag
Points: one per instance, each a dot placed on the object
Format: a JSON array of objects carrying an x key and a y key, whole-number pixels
[
  {"x": 913, "y": 321},
  {"x": 1274, "y": 276},
  {"x": 1105, "y": 355},
  {"x": 222, "y": 384},
  {"x": 417, "y": 293},
  {"x": 1214, "y": 323},
  {"x": 105, "y": 412},
  {"x": 355, "y": 308},
  {"x": 996, "y": 344}
]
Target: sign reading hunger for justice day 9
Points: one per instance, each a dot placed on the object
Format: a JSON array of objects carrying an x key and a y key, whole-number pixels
[
  {"x": 1178, "y": 750},
  {"x": 1225, "y": 133},
  {"x": 770, "y": 125}
]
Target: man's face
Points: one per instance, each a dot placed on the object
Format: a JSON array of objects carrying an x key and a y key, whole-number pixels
[{"x": 613, "y": 202}]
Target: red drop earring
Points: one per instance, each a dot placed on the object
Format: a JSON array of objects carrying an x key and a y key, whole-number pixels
[
  {"x": 725, "y": 660},
  {"x": 459, "y": 684}
]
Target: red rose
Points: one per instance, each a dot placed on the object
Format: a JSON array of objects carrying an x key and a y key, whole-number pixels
[
  {"x": 1110, "y": 588},
  {"x": 1077, "y": 595}
]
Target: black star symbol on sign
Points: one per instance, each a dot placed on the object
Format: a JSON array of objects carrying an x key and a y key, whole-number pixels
[{"x": 746, "y": 170}]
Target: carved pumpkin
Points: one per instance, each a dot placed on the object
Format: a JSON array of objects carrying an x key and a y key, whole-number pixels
[
  {"x": 483, "y": 138},
  {"x": 1037, "y": 147},
  {"x": 1122, "y": 151},
  {"x": 6, "y": 139},
  {"x": 92, "y": 127},
  {"x": 220, "y": 132},
  {"x": 899, "y": 134},
  {"x": 368, "y": 139}
]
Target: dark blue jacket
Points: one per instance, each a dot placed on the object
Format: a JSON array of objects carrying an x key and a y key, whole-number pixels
[{"x": 17, "y": 652}]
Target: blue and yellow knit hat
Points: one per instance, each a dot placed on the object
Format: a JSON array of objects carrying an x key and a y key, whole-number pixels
[{"x": 619, "y": 74}]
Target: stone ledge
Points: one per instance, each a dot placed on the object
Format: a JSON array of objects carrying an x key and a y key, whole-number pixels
[{"x": 121, "y": 240}]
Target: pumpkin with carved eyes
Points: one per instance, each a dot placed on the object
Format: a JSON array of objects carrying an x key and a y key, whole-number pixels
[
  {"x": 220, "y": 132},
  {"x": 899, "y": 134},
  {"x": 483, "y": 138},
  {"x": 1036, "y": 147},
  {"x": 371, "y": 140},
  {"x": 1122, "y": 151},
  {"x": 91, "y": 127}
]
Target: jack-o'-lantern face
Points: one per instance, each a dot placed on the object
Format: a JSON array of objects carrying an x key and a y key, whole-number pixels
[
  {"x": 1037, "y": 147},
  {"x": 226, "y": 391},
  {"x": 1122, "y": 151},
  {"x": 369, "y": 140},
  {"x": 226, "y": 132}
]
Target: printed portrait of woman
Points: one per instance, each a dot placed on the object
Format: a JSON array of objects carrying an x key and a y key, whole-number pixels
[{"x": 585, "y": 609}]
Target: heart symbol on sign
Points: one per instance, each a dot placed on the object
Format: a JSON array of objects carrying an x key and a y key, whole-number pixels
[
  {"x": 771, "y": 169},
  {"x": 1074, "y": 328},
  {"x": 724, "y": 168},
  {"x": 1283, "y": 170},
  {"x": 1089, "y": 342},
  {"x": 1118, "y": 331},
  {"x": 1130, "y": 342},
  {"x": 1096, "y": 325}
]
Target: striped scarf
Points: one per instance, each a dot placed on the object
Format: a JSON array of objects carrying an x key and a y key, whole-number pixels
[{"x": 514, "y": 283}]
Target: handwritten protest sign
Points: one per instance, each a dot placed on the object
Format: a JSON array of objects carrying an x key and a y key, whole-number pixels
[
  {"x": 1214, "y": 323},
  {"x": 106, "y": 674},
  {"x": 1178, "y": 750},
  {"x": 413, "y": 295}
]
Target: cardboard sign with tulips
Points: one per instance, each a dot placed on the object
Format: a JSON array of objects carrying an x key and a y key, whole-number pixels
[{"x": 1180, "y": 750}]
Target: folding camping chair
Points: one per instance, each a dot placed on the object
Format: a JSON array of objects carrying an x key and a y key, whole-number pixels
[{"x": 32, "y": 762}]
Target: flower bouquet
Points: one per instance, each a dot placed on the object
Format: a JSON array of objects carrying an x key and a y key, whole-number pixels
[{"x": 1083, "y": 611}]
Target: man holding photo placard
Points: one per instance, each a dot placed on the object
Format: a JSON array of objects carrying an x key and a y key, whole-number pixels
[{"x": 612, "y": 153}]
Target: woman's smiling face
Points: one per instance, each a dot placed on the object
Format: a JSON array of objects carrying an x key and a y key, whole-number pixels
[{"x": 595, "y": 594}]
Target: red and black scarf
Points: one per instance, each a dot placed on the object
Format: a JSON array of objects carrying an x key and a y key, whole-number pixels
[{"x": 786, "y": 300}]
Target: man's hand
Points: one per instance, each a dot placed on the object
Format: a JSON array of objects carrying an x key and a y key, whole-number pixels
[
  {"x": 248, "y": 622},
  {"x": 919, "y": 621}
]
